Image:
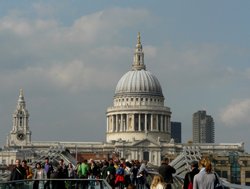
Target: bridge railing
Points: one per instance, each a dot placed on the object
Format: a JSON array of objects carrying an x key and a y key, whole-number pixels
[
  {"x": 69, "y": 183},
  {"x": 95, "y": 183}
]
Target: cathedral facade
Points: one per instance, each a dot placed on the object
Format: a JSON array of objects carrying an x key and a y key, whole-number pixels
[{"x": 138, "y": 123}]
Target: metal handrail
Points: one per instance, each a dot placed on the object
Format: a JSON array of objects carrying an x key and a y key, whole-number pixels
[{"x": 103, "y": 184}]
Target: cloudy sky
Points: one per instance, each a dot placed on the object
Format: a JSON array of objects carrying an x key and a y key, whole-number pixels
[{"x": 68, "y": 56}]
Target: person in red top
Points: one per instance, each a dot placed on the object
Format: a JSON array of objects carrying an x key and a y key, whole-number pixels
[{"x": 119, "y": 177}]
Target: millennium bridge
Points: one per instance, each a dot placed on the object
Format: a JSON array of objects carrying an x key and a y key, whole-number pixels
[{"x": 181, "y": 163}]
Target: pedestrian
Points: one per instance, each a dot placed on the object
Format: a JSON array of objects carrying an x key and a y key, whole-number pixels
[
  {"x": 189, "y": 177},
  {"x": 48, "y": 167},
  {"x": 197, "y": 181},
  {"x": 39, "y": 175},
  {"x": 78, "y": 174},
  {"x": 94, "y": 172},
  {"x": 28, "y": 169},
  {"x": 167, "y": 171},
  {"x": 158, "y": 182},
  {"x": 71, "y": 175},
  {"x": 142, "y": 174},
  {"x": 209, "y": 177},
  {"x": 110, "y": 172},
  {"x": 119, "y": 177},
  {"x": 127, "y": 173},
  {"x": 84, "y": 172},
  {"x": 134, "y": 171},
  {"x": 18, "y": 173},
  {"x": 62, "y": 173}
]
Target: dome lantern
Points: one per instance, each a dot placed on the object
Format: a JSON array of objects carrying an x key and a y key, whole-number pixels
[{"x": 138, "y": 63}]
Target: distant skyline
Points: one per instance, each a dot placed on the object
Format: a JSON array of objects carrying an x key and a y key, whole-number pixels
[{"x": 68, "y": 56}]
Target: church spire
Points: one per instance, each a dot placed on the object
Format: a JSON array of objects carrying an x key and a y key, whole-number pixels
[
  {"x": 138, "y": 63},
  {"x": 21, "y": 101},
  {"x": 20, "y": 134}
]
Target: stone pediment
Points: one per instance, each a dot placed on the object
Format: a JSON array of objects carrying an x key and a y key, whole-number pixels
[{"x": 146, "y": 143}]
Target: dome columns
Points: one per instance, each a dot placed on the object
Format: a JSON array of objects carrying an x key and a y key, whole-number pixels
[{"x": 142, "y": 122}]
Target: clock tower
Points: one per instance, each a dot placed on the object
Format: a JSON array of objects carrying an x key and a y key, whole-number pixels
[{"x": 20, "y": 135}]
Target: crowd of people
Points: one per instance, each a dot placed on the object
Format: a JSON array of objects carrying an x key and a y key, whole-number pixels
[{"x": 120, "y": 174}]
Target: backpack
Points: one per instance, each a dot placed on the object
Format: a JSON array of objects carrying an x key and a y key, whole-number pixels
[
  {"x": 120, "y": 171},
  {"x": 190, "y": 184},
  {"x": 217, "y": 184}
]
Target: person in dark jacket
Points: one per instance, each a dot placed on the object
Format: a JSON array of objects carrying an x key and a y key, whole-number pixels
[
  {"x": 166, "y": 171},
  {"x": 18, "y": 173},
  {"x": 189, "y": 177},
  {"x": 110, "y": 172}
]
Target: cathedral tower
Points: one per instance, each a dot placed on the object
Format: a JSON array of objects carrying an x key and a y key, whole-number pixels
[{"x": 20, "y": 134}]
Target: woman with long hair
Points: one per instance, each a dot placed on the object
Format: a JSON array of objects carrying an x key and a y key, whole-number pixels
[
  {"x": 158, "y": 182},
  {"x": 198, "y": 178},
  {"x": 209, "y": 178},
  {"x": 39, "y": 174}
]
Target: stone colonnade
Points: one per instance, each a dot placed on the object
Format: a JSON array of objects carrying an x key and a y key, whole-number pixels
[{"x": 138, "y": 122}]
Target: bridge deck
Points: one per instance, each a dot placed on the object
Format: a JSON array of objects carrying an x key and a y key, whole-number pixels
[{"x": 181, "y": 163}]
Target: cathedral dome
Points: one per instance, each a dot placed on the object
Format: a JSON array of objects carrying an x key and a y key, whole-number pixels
[
  {"x": 138, "y": 110},
  {"x": 138, "y": 82}
]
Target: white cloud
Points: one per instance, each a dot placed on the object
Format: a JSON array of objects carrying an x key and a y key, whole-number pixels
[
  {"x": 75, "y": 75},
  {"x": 18, "y": 26},
  {"x": 40, "y": 39},
  {"x": 43, "y": 51},
  {"x": 237, "y": 113},
  {"x": 92, "y": 27},
  {"x": 69, "y": 74}
]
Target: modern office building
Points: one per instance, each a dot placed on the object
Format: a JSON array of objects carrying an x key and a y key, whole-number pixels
[
  {"x": 203, "y": 127},
  {"x": 176, "y": 131}
]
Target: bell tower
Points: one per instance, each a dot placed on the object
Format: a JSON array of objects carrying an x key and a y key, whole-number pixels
[{"x": 20, "y": 135}]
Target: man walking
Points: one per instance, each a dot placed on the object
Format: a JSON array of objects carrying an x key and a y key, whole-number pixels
[
  {"x": 18, "y": 173},
  {"x": 48, "y": 169},
  {"x": 166, "y": 171},
  {"x": 28, "y": 169}
]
